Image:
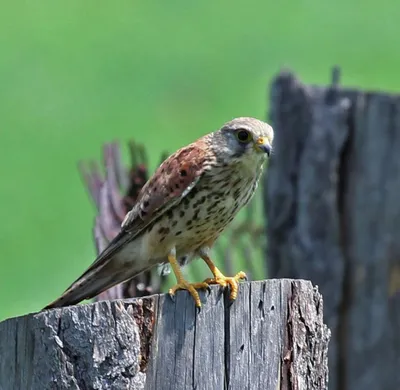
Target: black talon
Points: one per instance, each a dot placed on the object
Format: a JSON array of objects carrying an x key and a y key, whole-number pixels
[
  {"x": 198, "y": 309},
  {"x": 172, "y": 297},
  {"x": 208, "y": 288},
  {"x": 229, "y": 302}
]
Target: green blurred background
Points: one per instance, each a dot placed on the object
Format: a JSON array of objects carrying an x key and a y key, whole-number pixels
[{"x": 76, "y": 74}]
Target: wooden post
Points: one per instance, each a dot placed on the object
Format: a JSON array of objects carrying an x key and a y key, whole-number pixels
[
  {"x": 332, "y": 201},
  {"x": 272, "y": 337}
]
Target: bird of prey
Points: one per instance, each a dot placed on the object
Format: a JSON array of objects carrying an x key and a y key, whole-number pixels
[{"x": 181, "y": 210}]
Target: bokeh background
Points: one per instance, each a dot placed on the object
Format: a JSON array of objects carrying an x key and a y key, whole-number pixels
[{"x": 74, "y": 75}]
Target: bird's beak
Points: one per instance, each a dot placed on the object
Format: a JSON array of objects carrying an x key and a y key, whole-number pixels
[{"x": 262, "y": 146}]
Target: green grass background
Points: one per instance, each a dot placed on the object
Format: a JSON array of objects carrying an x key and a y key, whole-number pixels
[{"x": 76, "y": 74}]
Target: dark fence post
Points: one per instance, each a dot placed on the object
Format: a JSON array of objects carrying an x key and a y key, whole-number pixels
[{"x": 332, "y": 197}]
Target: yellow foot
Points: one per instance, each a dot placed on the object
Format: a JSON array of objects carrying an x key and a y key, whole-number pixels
[
  {"x": 224, "y": 281},
  {"x": 191, "y": 287}
]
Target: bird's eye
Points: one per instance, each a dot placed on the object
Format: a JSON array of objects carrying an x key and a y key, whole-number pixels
[{"x": 243, "y": 136}]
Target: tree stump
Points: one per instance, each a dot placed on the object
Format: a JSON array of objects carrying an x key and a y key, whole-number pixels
[
  {"x": 332, "y": 199},
  {"x": 272, "y": 337}
]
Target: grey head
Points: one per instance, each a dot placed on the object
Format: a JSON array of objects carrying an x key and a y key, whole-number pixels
[{"x": 243, "y": 139}]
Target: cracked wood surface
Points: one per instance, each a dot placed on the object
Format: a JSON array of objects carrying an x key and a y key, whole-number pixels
[
  {"x": 333, "y": 212},
  {"x": 272, "y": 337}
]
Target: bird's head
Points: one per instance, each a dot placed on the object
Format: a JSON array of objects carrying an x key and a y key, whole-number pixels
[{"x": 247, "y": 140}]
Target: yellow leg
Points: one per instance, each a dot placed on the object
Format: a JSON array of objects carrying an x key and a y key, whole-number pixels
[
  {"x": 182, "y": 284},
  {"x": 223, "y": 280}
]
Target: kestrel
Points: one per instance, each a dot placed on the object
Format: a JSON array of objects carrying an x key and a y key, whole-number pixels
[{"x": 181, "y": 211}]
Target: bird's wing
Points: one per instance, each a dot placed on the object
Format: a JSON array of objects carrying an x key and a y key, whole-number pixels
[{"x": 171, "y": 182}]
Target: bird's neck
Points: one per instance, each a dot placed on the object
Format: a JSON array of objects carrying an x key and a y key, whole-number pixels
[{"x": 252, "y": 167}]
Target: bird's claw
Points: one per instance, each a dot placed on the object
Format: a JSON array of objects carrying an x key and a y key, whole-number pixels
[
  {"x": 231, "y": 281},
  {"x": 191, "y": 287},
  {"x": 171, "y": 296}
]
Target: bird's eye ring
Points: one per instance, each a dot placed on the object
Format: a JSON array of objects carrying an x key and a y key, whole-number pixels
[{"x": 243, "y": 136}]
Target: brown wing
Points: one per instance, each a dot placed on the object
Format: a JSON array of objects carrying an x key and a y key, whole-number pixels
[{"x": 171, "y": 182}]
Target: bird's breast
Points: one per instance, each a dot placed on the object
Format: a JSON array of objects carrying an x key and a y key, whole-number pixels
[{"x": 201, "y": 216}]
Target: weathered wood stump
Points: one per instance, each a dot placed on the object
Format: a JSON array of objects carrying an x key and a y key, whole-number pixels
[
  {"x": 272, "y": 337},
  {"x": 333, "y": 210}
]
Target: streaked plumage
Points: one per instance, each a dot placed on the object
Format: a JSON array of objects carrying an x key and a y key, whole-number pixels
[{"x": 182, "y": 210}]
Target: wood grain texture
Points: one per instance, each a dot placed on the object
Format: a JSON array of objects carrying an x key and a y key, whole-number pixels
[
  {"x": 333, "y": 212},
  {"x": 272, "y": 337}
]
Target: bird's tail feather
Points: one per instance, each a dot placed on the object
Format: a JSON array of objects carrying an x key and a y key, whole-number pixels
[{"x": 93, "y": 283}]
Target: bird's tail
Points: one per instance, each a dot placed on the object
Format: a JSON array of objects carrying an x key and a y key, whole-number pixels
[{"x": 93, "y": 282}]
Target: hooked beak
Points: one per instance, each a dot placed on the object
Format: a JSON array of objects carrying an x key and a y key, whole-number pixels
[{"x": 262, "y": 146}]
